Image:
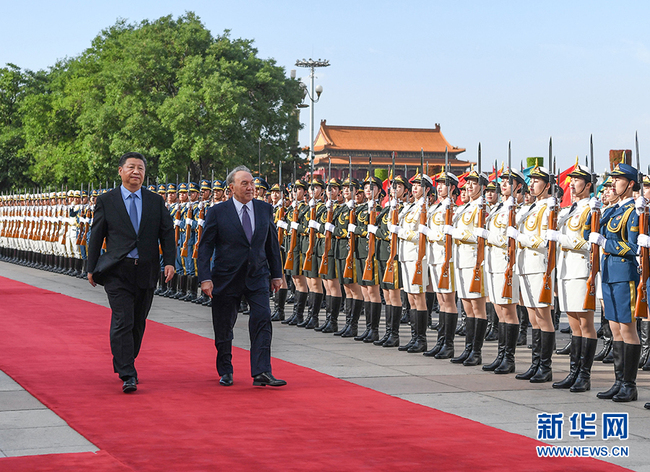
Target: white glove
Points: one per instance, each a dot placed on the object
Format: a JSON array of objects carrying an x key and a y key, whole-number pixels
[
  {"x": 294, "y": 225},
  {"x": 329, "y": 227},
  {"x": 188, "y": 221},
  {"x": 314, "y": 224},
  {"x": 446, "y": 203},
  {"x": 328, "y": 204},
  {"x": 481, "y": 233},
  {"x": 424, "y": 229},
  {"x": 510, "y": 202},
  {"x": 480, "y": 201},
  {"x": 372, "y": 229},
  {"x": 512, "y": 232},
  {"x": 201, "y": 205},
  {"x": 597, "y": 238},
  {"x": 640, "y": 204},
  {"x": 282, "y": 224},
  {"x": 643, "y": 240},
  {"x": 352, "y": 228},
  {"x": 393, "y": 228},
  {"x": 294, "y": 204},
  {"x": 448, "y": 229},
  {"x": 176, "y": 222},
  {"x": 312, "y": 203},
  {"x": 201, "y": 222},
  {"x": 393, "y": 204},
  {"x": 552, "y": 235},
  {"x": 552, "y": 203},
  {"x": 350, "y": 204},
  {"x": 595, "y": 204}
]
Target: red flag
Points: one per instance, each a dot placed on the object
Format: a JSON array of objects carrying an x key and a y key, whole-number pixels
[{"x": 564, "y": 180}]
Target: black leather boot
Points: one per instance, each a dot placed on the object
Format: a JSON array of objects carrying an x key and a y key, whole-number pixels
[
  {"x": 441, "y": 336},
  {"x": 328, "y": 313},
  {"x": 429, "y": 296},
  {"x": 366, "y": 311},
  {"x": 181, "y": 288},
  {"x": 644, "y": 328},
  {"x": 475, "y": 357},
  {"x": 171, "y": 286},
  {"x": 335, "y": 308},
  {"x": 314, "y": 310},
  {"x": 406, "y": 308},
  {"x": 492, "y": 332},
  {"x": 522, "y": 313},
  {"x": 470, "y": 328},
  {"x": 161, "y": 284},
  {"x": 389, "y": 326},
  {"x": 280, "y": 301},
  {"x": 375, "y": 316},
  {"x": 534, "y": 365},
  {"x": 617, "y": 353},
  {"x": 587, "y": 351},
  {"x": 348, "y": 317},
  {"x": 544, "y": 373},
  {"x": 298, "y": 309},
  {"x": 393, "y": 339},
  {"x": 408, "y": 345},
  {"x": 507, "y": 365},
  {"x": 420, "y": 344},
  {"x": 461, "y": 329},
  {"x": 447, "y": 350},
  {"x": 566, "y": 350},
  {"x": 628, "y": 391},
  {"x": 574, "y": 363},
  {"x": 607, "y": 345},
  {"x": 357, "y": 306},
  {"x": 501, "y": 349},
  {"x": 192, "y": 286}
]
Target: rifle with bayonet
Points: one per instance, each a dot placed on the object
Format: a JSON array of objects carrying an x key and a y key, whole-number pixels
[
  {"x": 546, "y": 295},
  {"x": 309, "y": 255},
  {"x": 477, "y": 279},
  {"x": 281, "y": 203},
  {"x": 641, "y": 306},
  {"x": 594, "y": 257},
  {"x": 188, "y": 219},
  {"x": 389, "y": 275},
  {"x": 368, "y": 272},
  {"x": 422, "y": 243},
  {"x": 199, "y": 228},
  {"x": 324, "y": 263},
  {"x": 512, "y": 242},
  {"x": 177, "y": 215},
  {"x": 348, "y": 273},
  {"x": 444, "y": 282}
]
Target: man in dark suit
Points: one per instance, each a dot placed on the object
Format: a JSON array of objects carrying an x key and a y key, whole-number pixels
[
  {"x": 241, "y": 235},
  {"x": 134, "y": 221}
]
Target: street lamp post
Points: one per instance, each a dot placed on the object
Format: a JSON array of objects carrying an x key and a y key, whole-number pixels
[{"x": 312, "y": 64}]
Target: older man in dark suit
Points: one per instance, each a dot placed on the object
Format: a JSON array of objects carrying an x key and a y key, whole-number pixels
[
  {"x": 134, "y": 221},
  {"x": 241, "y": 235}
]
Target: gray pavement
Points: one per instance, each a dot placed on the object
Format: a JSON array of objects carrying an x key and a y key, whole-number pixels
[{"x": 28, "y": 427}]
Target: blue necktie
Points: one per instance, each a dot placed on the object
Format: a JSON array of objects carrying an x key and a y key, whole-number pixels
[
  {"x": 133, "y": 213},
  {"x": 246, "y": 223}
]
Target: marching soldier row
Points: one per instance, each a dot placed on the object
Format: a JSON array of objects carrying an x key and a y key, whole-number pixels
[{"x": 506, "y": 244}]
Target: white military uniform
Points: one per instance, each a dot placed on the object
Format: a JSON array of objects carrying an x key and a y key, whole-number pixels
[
  {"x": 573, "y": 257},
  {"x": 532, "y": 254},
  {"x": 436, "y": 249},
  {"x": 466, "y": 242},
  {"x": 496, "y": 257},
  {"x": 409, "y": 236}
]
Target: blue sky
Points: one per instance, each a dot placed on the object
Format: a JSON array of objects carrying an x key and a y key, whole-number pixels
[{"x": 486, "y": 71}]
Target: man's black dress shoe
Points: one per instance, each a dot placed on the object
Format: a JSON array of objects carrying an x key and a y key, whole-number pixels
[
  {"x": 130, "y": 385},
  {"x": 226, "y": 380},
  {"x": 266, "y": 378}
]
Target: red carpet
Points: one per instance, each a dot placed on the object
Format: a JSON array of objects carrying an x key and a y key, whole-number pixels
[{"x": 180, "y": 419}]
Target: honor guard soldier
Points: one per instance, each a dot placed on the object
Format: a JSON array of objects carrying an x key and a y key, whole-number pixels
[
  {"x": 295, "y": 213},
  {"x": 573, "y": 271},
  {"x": 327, "y": 265},
  {"x": 413, "y": 260},
  {"x": 181, "y": 224},
  {"x": 278, "y": 200},
  {"x": 531, "y": 268},
  {"x": 261, "y": 187},
  {"x": 191, "y": 218},
  {"x": 440, "y": 255},
  {"x": 499, "y": 252},
  {"x": 217, "y": 191},
  {"x": 162, "y": 285},
  {"x": 387, "y": 256},
  {"x": 204, "y": 199},
  {"x": 619, "y": 231}
]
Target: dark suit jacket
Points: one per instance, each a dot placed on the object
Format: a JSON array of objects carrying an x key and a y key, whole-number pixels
[
  {"x": 111, "y": 221},
  {"x": 238, "y": 264}
]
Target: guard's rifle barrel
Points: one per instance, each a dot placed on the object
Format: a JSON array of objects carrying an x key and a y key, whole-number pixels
[
  {"x": 477, "y": 279},
  {"x": 281, "y": 203},
  {"x": 325, "y": 261},
  {"x": 422, "y": 242},
  {"x": 199, "y": 228},
  {"x": 309, "y": 255},
  {"x": 177, "y": 216},
  {"x": 389, "y": 274},
  {"x": 188, "y": 219},
  {"x": 641, "y": 307},
  {"x": 546, "y": 295},
  {"x": 368, "y": 271},
  {"x": 512, "y": 242},
  {"x": 594, "y": 256},
  {"x": 444, "y": 282},
  {"x": 348, "y": 272}
]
